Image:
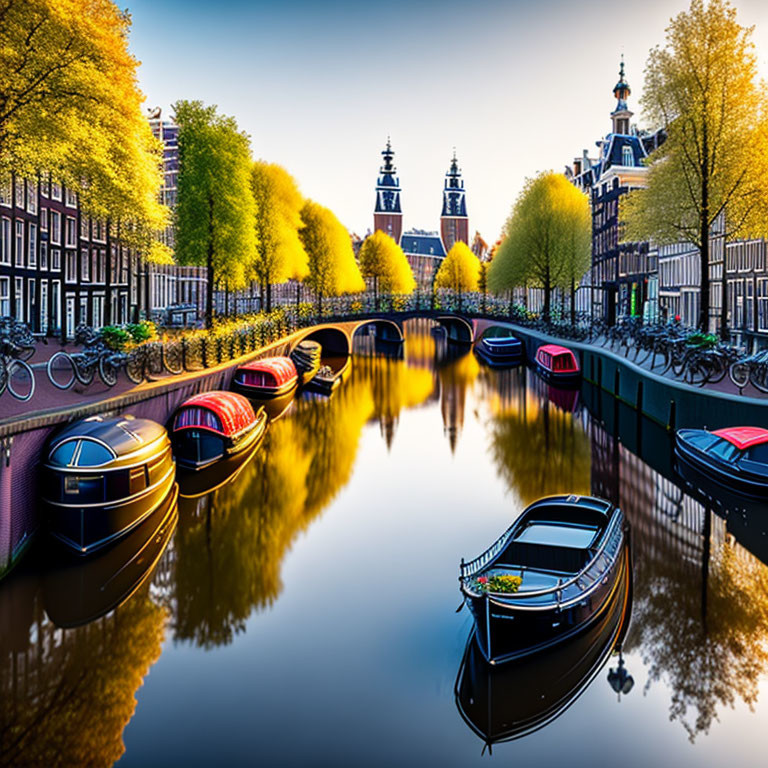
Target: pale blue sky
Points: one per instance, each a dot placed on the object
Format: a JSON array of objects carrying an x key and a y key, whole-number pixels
[{"x": 516, "y": 86}]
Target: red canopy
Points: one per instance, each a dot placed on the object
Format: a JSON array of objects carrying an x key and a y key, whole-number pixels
[
  {"x": 554, "y": 351},
  {"x": 282, "y": 368},
  {"x": 743, "y": 437},
  {"x": 233, "y": 413}
]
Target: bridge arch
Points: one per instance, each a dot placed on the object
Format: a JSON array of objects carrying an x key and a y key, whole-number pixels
[
  {"x": 386, "y": 330},
  {"x": 457, "y": 328},
  {"x": 331, "y": 338}
]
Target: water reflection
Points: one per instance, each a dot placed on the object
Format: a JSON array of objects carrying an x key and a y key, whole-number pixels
[{"x": 699, "y": 611}]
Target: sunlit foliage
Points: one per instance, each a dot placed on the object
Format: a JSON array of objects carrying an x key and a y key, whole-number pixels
[
  {"x": 215, "y": 209},
  {"x": 382, "y": 259},
  {"x": 332, "y": 266},
  {"x": 280, "y": 255},
  {"x": 460, "y": 269},
  {"x": 547, "y": 239},
  {"x": 702, "y": 87}
]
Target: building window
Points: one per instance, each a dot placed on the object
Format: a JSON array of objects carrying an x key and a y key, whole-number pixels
[
  {"x": 5, "y": 241},
  {"x": 71, "y": 233},
  {"x": 55, "y": 259},
  {"x": 55, "y": 224},
  {"x": 70, "y": 272},
  {"x": 102, "y": 266},
  {"x": 32, "y": 243},
  {"x": 70, "y": 198},
  {"x": 43, "y": 306},
  {"x": 55, "y": 306},
  {"x": 19, "y": 291},
  {"x": 20, "y": 193},
  {"x": 6, "y": 191},
  {"x": 55, "y": 191},
  {"x": 43, "y": 255},
  {"x": 31, "y": 196},
  {"x": 44, "y": 219},
  {"x": 31, "y": 303},
  {"x": 85, "y": 266},
  {"x": 5, "y": 296},
  {"x": 627, "y": 156},
  {"x": 19, "y": 243},
  {"x": 45, "y": 185},
  {"x": 85, "y": 229}
]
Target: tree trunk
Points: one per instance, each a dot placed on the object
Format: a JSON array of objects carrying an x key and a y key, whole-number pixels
[
  {"x": 269, "y": 297},
  {"x": 376, "y": 292},
  {"x": 298, "y": 295},
  {"x": 573, "y": 302},
  {"x": 547, "y": 296},
  {"x": 725, "y": 331},
  {"x": 704, "y": 233},
  {"x": 209, "y": 266}
]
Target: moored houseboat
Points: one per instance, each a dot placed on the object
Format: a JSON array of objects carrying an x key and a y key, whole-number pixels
[
  {"x": 736, "y": 457},
  {"x": 213, "y": 426},
  {"x": 558, "y": 364},
  {"x": 267, "y": 378},
  {"x": 546, "y": 577},
  {"x": 307, "y": 359},
  {"x": 330, "y": 375},
  {"x": 500, "y": 351},
  {"x": 103, "y": 476}
]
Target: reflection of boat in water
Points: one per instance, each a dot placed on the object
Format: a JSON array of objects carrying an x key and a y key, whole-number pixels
[
  {"x": 549, "y": 574},
  {"x": 193, "y": 484},
  {"x": 77, "y": 591},
  {"x": 266, "y": 379},
  {"x": 736, "y": 457},
  {"x": 558, "y": 365},
  {"x": 330, "y": 375},
  {"x": 565, "y": 399},
  {"x": 502, "y": 703},
  {"x": 215, "y": 426},
  {"x": 499, "y": 351},
  {"x": 103, "y": 476}
]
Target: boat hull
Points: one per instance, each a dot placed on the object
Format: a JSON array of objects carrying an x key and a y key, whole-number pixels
[
  {"x": 266, "y": 393},
  {"x": 88, "y": 528},
  {"x": 560, "y": 378},
  {"x": 500, "y": 359},
  {"x": 326, "y": 385},
  {"x": 731, "y": 481},
  {"x": 507, "y": 632}
]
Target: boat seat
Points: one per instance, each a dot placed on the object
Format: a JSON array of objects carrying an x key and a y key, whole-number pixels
[{"x": 543, "y": 557}]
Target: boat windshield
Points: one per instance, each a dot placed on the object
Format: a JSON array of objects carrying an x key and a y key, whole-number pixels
[
  {"x": 553, "y": 535},
  {"x": 758, "y": 453}
]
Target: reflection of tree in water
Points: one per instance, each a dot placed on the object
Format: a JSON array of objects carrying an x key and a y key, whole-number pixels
[
  {"x": 538, "y": 449},
  {"x": 67, "y": 695},
  {"x": 701, "y": 627},
  {"x": 230, "y": 544}
]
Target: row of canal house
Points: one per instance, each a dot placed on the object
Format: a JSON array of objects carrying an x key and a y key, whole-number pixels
[
  {"x": 60, "y": 268},
  {"x": 660, "y": 283}
]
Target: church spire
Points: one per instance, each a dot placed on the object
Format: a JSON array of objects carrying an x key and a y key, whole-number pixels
[
  {"x": 387, "y": 214},
  {"x": 454, "y": 224},
  {"x": 621, "y": 116}
]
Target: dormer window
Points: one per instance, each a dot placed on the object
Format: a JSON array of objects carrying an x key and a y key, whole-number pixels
[{"x": 627, "y": 156}]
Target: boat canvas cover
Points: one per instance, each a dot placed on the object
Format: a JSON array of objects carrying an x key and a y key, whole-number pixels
[
  {"x": 548, "y": 353},
  {"x": 743, "y": 437},
  {"x": 281, "y": 369},
  {"x": 225, "y": 412}
]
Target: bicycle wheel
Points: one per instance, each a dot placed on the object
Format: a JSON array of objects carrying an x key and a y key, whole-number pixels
[
  {"x": 679, "y": 365},
  {"x": 3, "y": 374},
  {"x": 172, "y": 357},
  {"x": 108, "y": 370},
  {"x": 759, "y": 378},
  {"x": 739, "y": 373},
  {"x": 134, "y": 366},
  {"x": 21, "y": 380},
  {"x": 85, "y": 368},
  {"x": 717, "y": 370},
  {"x": 61, "y": 370}
]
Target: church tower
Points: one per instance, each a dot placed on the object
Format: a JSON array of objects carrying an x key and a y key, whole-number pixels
[
  {"x": 387, "y": 215},
  {"x": 622, "y": 114},
  {"x": 454, "y": 224}
]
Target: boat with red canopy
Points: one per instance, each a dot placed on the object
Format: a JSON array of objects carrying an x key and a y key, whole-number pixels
[
  {"x": 736, "y": 456},
  {"x": 558, "y": 364},
  {"x": 215, "y": 425},
  {"x": 266, "y": 378}
]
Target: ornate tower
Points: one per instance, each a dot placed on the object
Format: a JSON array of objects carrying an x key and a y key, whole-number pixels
[
  {"x": 454, "y": 224},
  {"x": 387, "y": 215},
  {"x": 622, "y": 114}
]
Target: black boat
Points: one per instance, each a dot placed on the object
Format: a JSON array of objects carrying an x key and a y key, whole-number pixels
[
  {"x": 505, "y": 702},
  {"x": 329, "y": 376},
  {"x": 103, "y": 476},
  {"x": 737, "y": 457},
  {"x": 546, "y": 577},
  {"x": 500, "y": 351}
]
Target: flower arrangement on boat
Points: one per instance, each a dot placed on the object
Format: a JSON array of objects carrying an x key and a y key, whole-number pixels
[{"x": 499, "y": 582}]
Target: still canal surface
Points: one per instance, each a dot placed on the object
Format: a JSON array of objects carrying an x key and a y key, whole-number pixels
[{"x": 304, "y": 613}]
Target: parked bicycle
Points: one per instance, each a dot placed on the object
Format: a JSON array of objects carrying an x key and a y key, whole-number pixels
[
  {"x": 65, "y": 368},
  {"x": 17, "y": 345},
  {"x": 751, "y": 370}
]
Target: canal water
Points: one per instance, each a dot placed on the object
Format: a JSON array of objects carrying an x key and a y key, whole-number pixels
[{"x": 303, "y": 613}]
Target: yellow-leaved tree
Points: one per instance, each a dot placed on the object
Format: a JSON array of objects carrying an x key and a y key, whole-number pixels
[
  {"x": 546, "y": 241},
  {"x": 703, "y": 89},
  {"x": 332, "y": 266},
  {"x": 382, "y": 259},
  {"x": 460, "y": 270},
  {"x": 280, "y": 254}
]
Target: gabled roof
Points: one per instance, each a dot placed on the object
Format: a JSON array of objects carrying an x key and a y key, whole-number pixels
[
  {"x": 422, "y": 244},
  {"x": 743, "y": 437},
  {"x": 615, "y": 152}
]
